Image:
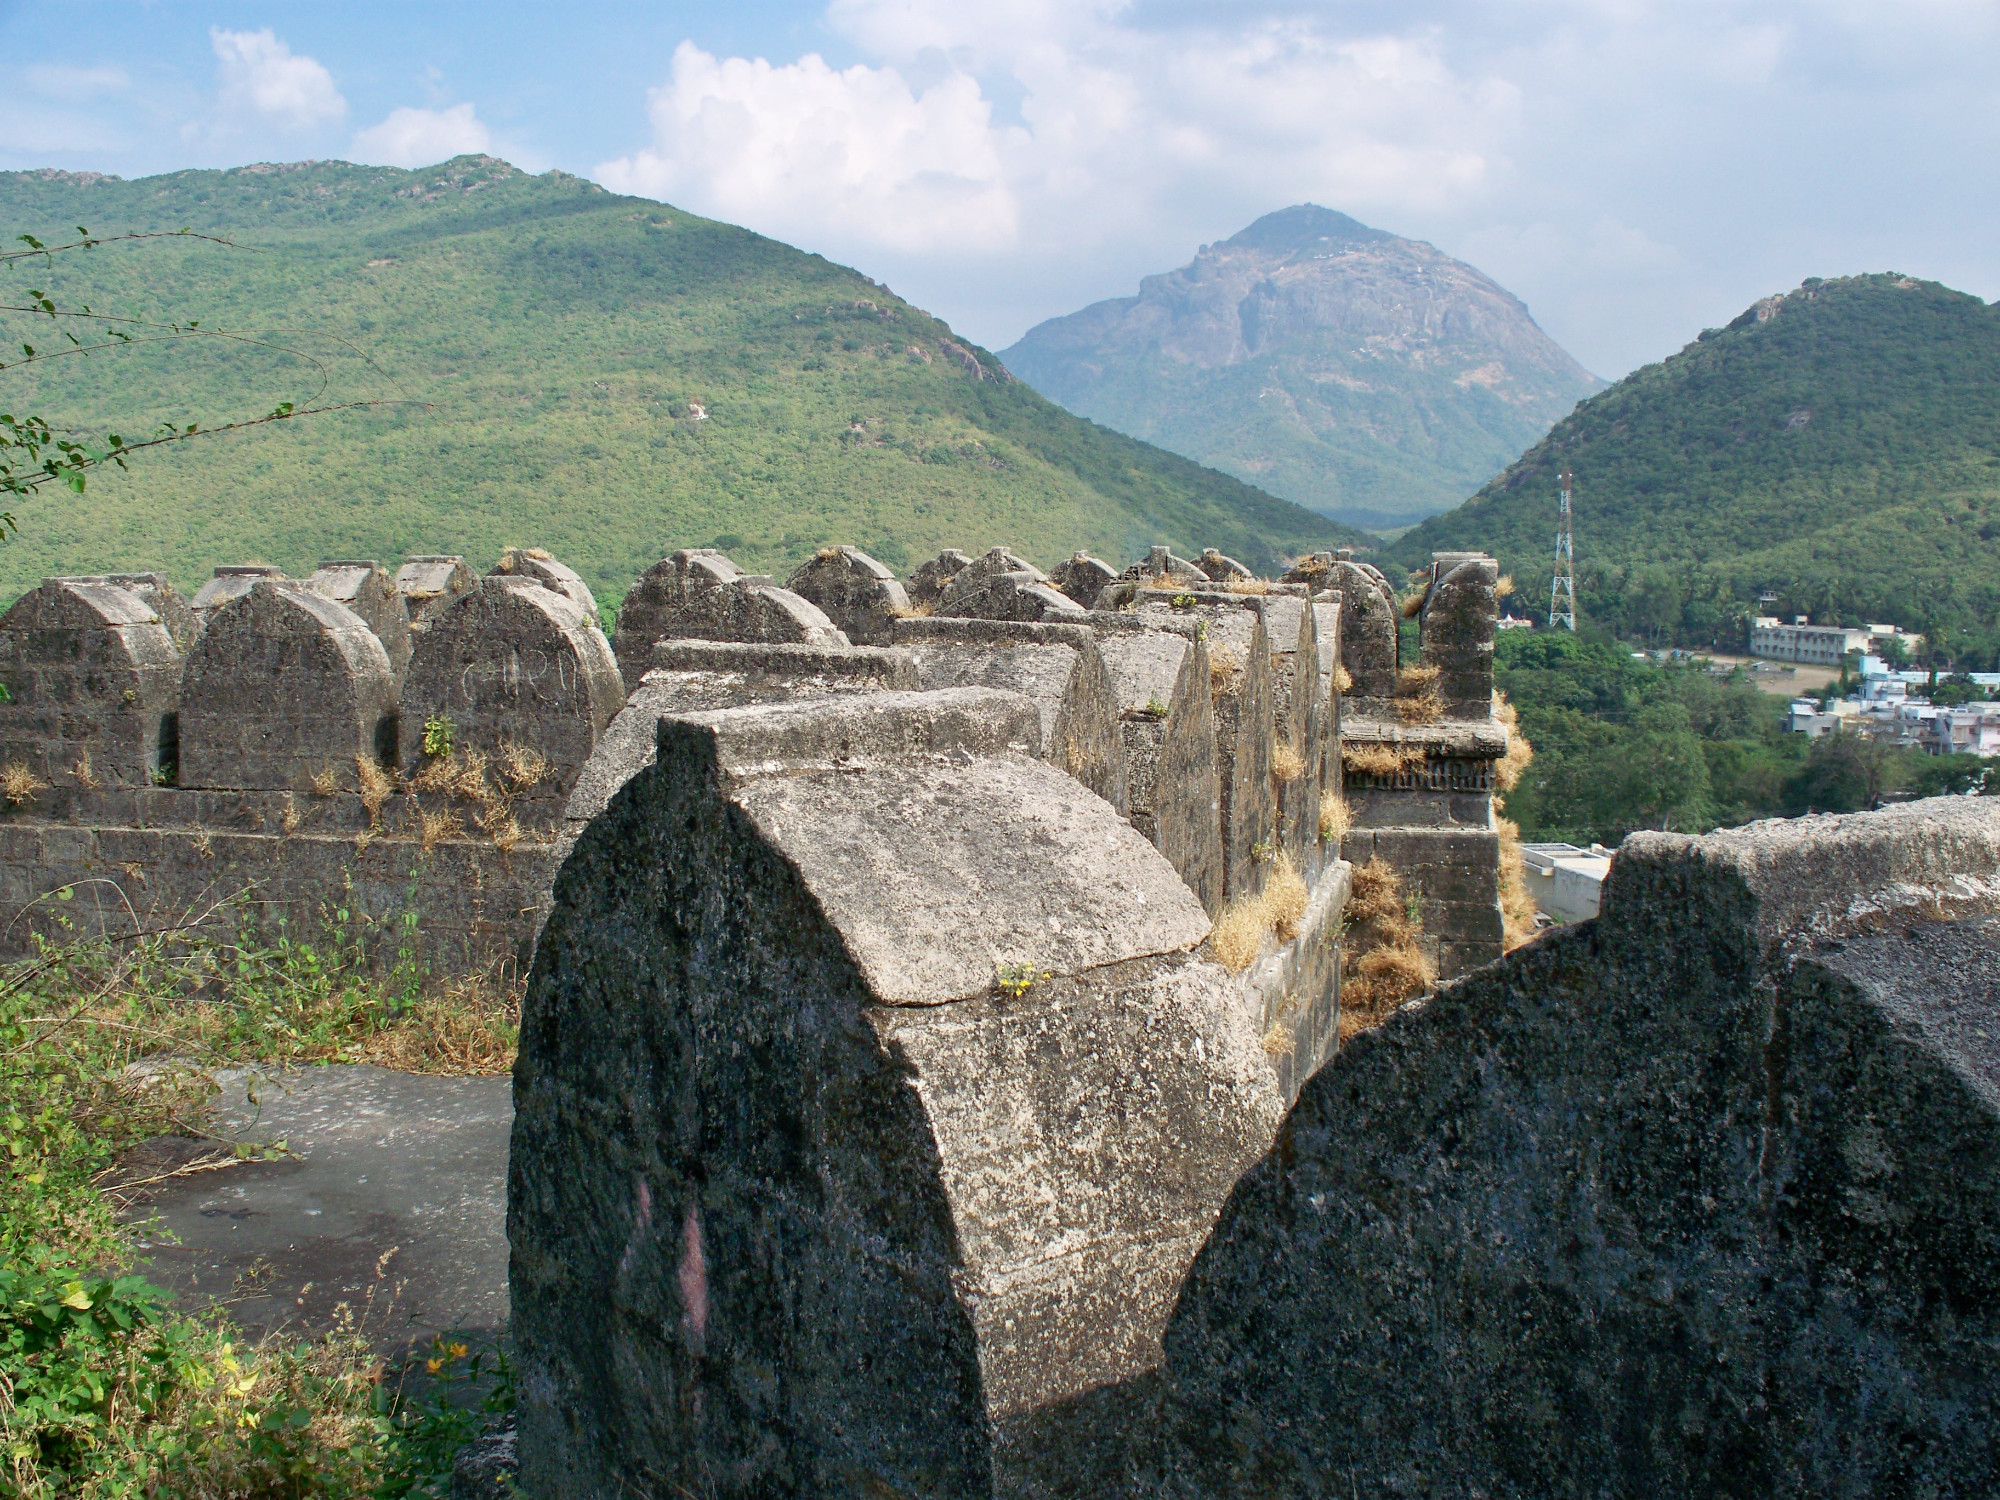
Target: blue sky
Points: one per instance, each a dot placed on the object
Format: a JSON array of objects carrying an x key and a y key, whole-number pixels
[{"x": 1634, "y": 169}]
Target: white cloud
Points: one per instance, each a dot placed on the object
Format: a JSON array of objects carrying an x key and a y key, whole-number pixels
[
  {"x": 260, "y": 76},
  {"x": 61, "y": 80},
  {"x": 422, "y": 137},
  {"x": 1633, "y": 168},
  {"x": 834, "y": 158}
]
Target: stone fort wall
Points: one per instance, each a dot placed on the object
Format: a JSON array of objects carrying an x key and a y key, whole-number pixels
[{"x": 428, "y": 740}]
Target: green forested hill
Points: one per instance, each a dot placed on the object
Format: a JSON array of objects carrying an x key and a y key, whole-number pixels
[
  {"x": 604, "y": 376},
  {"x": 1838, "y": 447}
]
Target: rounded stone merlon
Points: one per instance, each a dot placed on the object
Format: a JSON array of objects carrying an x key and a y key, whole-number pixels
[
  {"x": 156, "y": 591},
  {"x": 539, "y": 564},
  {"x": 692, "y": 676},
  {"x": 283, "y": 686},
  {"x": 1223, "y": 569},
  {"x": 231, "y": 581},
  {"x": 1083, "y": 578},
  {"x": 658, "y": 595},
  {"x": 367, "y": 588},
  {"x": 91, "y": 671},
  {"x": 790, "y": 982},
  {"x": 514, "y": 663},
  {"x": 969, "y": 586},
  {"x": 431, "y": 583},
  {"x": 860, "y": 596},
  {"x": 931, "y": 577},
  {"x": 753, "y": 610}
]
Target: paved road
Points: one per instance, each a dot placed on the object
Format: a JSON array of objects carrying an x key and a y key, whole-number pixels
[{"x": 392, "y": 1204}]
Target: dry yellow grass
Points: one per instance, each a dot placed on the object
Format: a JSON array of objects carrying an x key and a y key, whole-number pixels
[
  {"x": 85, "y": 773},
  {"x": 1335, "y": 819},
  {"x": 290, "y": 821},
  {"x": 325, "y": 782},
  {"x": 1414, "y": 680},
  {"x": 471, "y": 1029},
  {"x": 914, "y": 611},
  {"x": 1343, "y": 680},
  {"x": 1222, "y": 669},
  {"x": 18, "y": 784},
  {"x": 1517, "y": 906},
  {"x": 1278, "y": 1040},
  {"x": 1287, "y": 765},
  {"x": 506, "y": 834},
  {"x": 1238, "y": 935},
  {"x": 375, "y": 787},
  {"x": 1505, "y": 586},
  {"x": 1383, "y": 962},
  {"x": 439, "y": 773},
  {"x": 1285, "y": 898},
  {"x": 1507, "y": 770},
  {"x": 1368, "y": 758},
  {"x": 1249, "y": 586},
  {"x": 1425, "y": 708},
  {"x": 522, "y": 766},
  {"x": 433, "y": 826}
]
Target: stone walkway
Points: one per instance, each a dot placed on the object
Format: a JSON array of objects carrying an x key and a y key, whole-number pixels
[{"x": 391, "y": 1203}]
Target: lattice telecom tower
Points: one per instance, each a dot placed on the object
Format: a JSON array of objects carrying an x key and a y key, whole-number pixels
[{"x": 1562, "y": 592}]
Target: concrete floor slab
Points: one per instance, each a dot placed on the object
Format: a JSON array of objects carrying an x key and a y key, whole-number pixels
[{"x": 391, "y": 1202}]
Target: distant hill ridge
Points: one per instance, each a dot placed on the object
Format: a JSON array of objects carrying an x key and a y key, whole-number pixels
[
  {"x": 1370, "y": 377},
  {"x": 604, "y": 376},
  {"x": 1837, "y": 446}
]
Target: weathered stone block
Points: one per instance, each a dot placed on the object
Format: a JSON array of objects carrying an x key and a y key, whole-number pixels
[
  {"x": 283, "y": 685},
  {"x": 1222, "y": 569},
  {"x": 927, "y": 584},
  {"x": 229, "y": 584},
  {"x": 860, "y": 596},
  {"x": 91, "y": 672},
  {"x": 751, "y": 609},
  {"x": 157, "y": 592},
  {"x": 1296, "y": 690},
  {"x": 368, "y": 590},
  {"x": 540, "y": 565},
  {"x": 1368, "y": 630},
  {"x": 662, "y": 591},
  {"x": 1057, "y": 666},
  {"x": 1082, "y": 578},
  {"x": 514, "y": 664},
  {"x": 431, "y": 583},
  {"x": 1699, "y": 1198},
  {"x": 1244, "y": 731},
  {"x": 697, "y": 676},
  {"x": 797, "y": 1196},
  {"x": 1459, "y": 621}
]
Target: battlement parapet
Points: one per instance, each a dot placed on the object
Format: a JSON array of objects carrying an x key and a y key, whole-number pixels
[
  {"x": 963, "y": 994},
  {"x": 229, "y": 583},
  {"x": 367, "y": 588},
  {"x": 431, "y": 583},
  {"x": 284, "y": 686},
  {"x": 860, "y": 596}
]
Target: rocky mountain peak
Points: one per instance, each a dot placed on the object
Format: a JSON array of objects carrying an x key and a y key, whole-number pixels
[{"x": 1365, "y": 375}]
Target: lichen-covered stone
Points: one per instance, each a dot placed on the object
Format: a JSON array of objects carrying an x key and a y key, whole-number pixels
[
  {"x": 515, "y": 663},
  {"x": 697, "y": 676},
  {"x": 283, "y": 686},
  {"x": 1082, "y": 578},
  {"x": 1368, "y": 630},
  {"x": 751, "y": 609},
  {"x": 93, "y": 682},
  {"x": 1186, "y": 791},
  {"x": 1057, "y": 666},
  {"x": 431, "y": 583},
  {"x": 799, "y": 1201},
  {"x": 1459, "y": 622},
  {"x": 997, "y": 585},
  {"x": 1298, "y": 709},
  {"x": 367, "y": 589},
  {"x": 854, "y": 591},
  {"x": 927, "y": 584},
  {"x": 659, "y": 594},
  {"x": 540, "y": 565},
  {"x": 231, "y": 582},
  {"x": 1244, "y": 730},
  {"x": 1699, "y": 1198}
]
